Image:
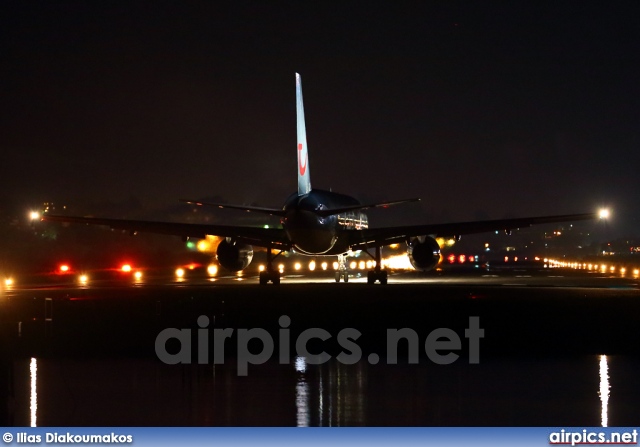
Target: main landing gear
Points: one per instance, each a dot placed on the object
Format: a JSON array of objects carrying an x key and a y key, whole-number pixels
[
  {"x": 342, "y": 272},
  {"x": 270, "y": 274},
  {"x": 377, "y": 274}
]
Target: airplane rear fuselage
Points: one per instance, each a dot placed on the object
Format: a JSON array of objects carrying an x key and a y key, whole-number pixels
[{"x": 318, "y": 235}]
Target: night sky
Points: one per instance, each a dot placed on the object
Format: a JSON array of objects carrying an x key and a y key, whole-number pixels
[{"x": 482, "y": 109}]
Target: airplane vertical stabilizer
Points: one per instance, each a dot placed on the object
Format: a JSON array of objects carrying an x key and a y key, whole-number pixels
[{"x": 304, "y": 180}]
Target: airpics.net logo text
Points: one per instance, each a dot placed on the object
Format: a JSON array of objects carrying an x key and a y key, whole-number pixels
[{"x": 441, "y": 345}]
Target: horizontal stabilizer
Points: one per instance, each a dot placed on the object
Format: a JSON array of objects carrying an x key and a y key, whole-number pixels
[
  {"x": 334, "y": 211},
  {"x": 256, "y": 209}
]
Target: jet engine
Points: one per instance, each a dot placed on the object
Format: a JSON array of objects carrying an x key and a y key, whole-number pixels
[
  {"x": 234, "y": 256},
  {"x": 423, "y": 255}
]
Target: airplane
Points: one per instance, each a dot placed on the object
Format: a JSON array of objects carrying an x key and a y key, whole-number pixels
[{"x": 316, "y": 222}]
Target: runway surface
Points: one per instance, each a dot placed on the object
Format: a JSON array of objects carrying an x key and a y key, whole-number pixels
[{"x": 559, "y": 347}]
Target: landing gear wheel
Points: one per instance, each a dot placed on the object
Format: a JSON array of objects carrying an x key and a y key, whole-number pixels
[
  {"x": 270, "y": 274},
  {"x": 346, "y": 277},
  {"x": 338, "y": 276},
  {"x": 265, "y": 277},
  {"x": 376, "y": 275}
]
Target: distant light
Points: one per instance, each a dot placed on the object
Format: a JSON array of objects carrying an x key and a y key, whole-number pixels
[
  {"x": 126, "y": 268},
  {"x": 8, "y": 282},
  {"x": 297, "y": 266},
  {"x": 191, "y": 245},
  {"x": 336, "y": 265},
  {"x": 203, "y": 245},
  {"x": 83, "y": 279},
  {"x": 398, "y": 262},
  {"x": 192, "y": 266},
  {"x": 636, "y": 272},
  {"x": 261, "y": 268},
  {"x": 353, "y": 265},
  {"x": 64, "y": 268},
  {"x": 324, "y": 266},
  {"x": 180, "y": 273},
  {"x": 506, "y": 259},
  {"x": 281, "y": 268},
  {"x": 604, "y": 213},
  {"x": 212, "y": 270},
  {"x": 394, "y": 246},
  {"x": 451, "y": 258},
  {"x": 361, "y": 265},
  {"x": 462, "y": 259},
  {"x": 34, "y": 215},
  {"x": 312, "y": 265},
  {"x": 137, "y": 275}
]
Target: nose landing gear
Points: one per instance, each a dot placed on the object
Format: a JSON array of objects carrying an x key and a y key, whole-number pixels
[{"x": 342, "y": 272}]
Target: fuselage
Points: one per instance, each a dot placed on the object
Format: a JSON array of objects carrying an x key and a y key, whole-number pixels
[{"x": 312, "y": 234}]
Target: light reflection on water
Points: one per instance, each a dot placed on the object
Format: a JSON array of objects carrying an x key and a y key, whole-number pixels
[
  {"x": 143, "y": 392},
  {"x": 33, "y": 402},
  {"x": 604, "y": 390}
]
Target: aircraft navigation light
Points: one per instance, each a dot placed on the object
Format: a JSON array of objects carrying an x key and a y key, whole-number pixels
[{"x": 604, "y": 213}]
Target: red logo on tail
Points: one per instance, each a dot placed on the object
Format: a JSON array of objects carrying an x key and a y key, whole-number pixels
[{"x": 302, "y": 164}]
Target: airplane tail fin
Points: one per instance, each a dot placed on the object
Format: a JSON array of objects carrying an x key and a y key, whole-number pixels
[{"x": 304, "y": 180}]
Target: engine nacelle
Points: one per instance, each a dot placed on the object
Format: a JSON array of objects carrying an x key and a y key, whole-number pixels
[
  {"x": 234, "y": 256},
  {"x": 423, "y": 255}
]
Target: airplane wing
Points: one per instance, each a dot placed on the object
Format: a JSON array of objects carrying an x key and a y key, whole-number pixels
[
  {"x": 257, "y": 209},
  {"x": 334, "y": 211},
  {"x": 372, "y": 237},
  {"x": 261, "y": 237}
]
